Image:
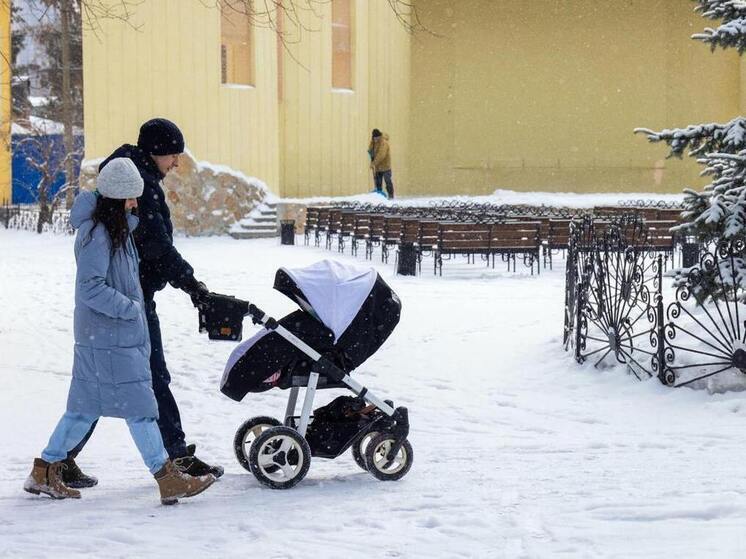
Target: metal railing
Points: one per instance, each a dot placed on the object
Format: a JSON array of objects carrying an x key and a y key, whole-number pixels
[{"x": 25, "y": 217}]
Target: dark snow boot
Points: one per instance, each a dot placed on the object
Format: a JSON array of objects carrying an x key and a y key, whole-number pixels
[
  {"x": 193, "y": 466},
  {"x": 72, "y": 476}
]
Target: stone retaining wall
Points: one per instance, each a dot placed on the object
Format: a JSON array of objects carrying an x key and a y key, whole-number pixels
[{"x": 204, "y": 199}]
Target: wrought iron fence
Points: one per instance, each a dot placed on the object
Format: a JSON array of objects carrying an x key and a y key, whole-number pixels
[
  {"x": 488, "y": 212},
  {"x": 658, "y": 204},
  {"x": 26, "y": 218},
  {"x": 480, "y": 212},
  {"x": 619, "y": 308}
]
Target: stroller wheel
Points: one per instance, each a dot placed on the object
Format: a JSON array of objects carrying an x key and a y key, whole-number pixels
[
  {"x": 247, "y": 434},
  {"x": 279, "y": 457},
  {"x": 376, "y": 458},
  {"x": 358, "y": 449}
]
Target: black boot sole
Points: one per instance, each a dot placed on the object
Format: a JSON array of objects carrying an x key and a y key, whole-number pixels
[
  {"x": 217, "y": 471},
  {"x": 80, "y": 484}
]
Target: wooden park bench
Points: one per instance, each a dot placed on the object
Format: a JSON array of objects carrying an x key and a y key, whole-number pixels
[
  {"x": 429, "y": 236},
  {"x": 606, "y": 212},
  {"x": 361, "y": 229},
  {"x": 506, "y": 239},
  {"x": 322, "y": 225},
  {"x": 392, "y": 231},
  {"x": 462, "y": 238},
  {"x": 335, "y": 224},
  {"x": 646, "y": 214},
  {"x": 670, "y": 214},
  {"x": 660, "y": 238},
  {"x": 557, "y": 239},
  {"x": 346, "y": 228},
  {"x": 517, "y": 238},
  {"x": 312, "y": 222},
  {"x": 375, "y": 234}
]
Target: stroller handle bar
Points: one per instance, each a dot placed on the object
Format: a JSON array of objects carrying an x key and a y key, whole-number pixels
[{"x": 322, "y": 364}]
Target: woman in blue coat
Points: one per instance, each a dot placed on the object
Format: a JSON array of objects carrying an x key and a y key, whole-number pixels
[{"x": 111, "y": 368}]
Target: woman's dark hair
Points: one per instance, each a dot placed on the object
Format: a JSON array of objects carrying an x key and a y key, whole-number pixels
[{"x": 110, "y": 212}]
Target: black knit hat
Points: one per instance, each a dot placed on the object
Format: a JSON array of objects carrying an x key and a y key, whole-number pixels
[
  {"x": 160, "y": 136},
  {"x": 376, "y": 133}
]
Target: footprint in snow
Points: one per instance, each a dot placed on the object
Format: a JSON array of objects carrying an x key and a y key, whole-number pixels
[{"x": 429, "y": 522}]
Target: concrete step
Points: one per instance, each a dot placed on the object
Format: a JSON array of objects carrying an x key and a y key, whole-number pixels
[
  {"x": 259, "y": 226},
  {"x": 252, "y": 235},
  {"x": 265, "y": 219}
]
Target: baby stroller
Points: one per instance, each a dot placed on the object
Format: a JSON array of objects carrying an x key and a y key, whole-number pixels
[{"x": 346, "y": 315}]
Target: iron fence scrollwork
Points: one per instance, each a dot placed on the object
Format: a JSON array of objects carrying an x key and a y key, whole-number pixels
[{"x": 616, "y": 311}]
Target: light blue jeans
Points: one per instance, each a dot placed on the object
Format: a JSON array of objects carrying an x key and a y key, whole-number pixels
[{"x": 72, "y": 427}]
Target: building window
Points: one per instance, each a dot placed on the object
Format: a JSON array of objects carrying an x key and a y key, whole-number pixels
[
  {"x": 342, "y": 44},
  {"x": 236, "y": 47}
]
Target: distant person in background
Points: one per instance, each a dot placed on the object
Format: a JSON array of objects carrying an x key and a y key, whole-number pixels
[
  {"x": 380, "y": 153},
  {"x": 376, "y": 188}
]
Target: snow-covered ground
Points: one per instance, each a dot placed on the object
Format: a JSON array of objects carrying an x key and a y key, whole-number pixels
[{"x": 519, "y": 452}]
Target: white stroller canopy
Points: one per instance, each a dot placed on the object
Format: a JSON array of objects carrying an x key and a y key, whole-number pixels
[{"x": 334, "y": 290}]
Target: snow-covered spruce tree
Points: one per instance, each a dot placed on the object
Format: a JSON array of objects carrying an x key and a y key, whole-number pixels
[{"x": 719, "y": 212}]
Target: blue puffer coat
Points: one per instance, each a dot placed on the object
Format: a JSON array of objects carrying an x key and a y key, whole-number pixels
[{"x": 111, "y": 365}]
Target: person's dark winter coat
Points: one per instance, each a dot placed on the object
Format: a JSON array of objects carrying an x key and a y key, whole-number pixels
[{"x": 160, "y": 262}]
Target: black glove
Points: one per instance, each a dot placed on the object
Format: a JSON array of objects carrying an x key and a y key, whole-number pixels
[{"x": 197, "y": 291}]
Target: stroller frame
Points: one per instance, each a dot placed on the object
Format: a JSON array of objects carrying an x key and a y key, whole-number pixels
[{"x": 324, "y": 366}]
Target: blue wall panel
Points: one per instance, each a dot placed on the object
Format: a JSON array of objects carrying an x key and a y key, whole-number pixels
[{"x": 25, "y": 177}]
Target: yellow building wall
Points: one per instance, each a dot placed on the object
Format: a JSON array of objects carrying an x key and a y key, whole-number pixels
[
  {"x": 514, "y": 94},
  {"x": 544, "y": 95},
  {"x": 166, "y": 62},
  {"x": 326, "y": 131},
  {"x": 5, "y": 104}
]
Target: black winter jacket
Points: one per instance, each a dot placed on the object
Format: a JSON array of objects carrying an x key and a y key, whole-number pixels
[{"x": 160, "y": 262}]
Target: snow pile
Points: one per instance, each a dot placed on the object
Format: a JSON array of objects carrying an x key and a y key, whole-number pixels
[
  {"x": 242, "y": 177},
  {"x": 39, "y": 100},
  {"x": 508, "y": 197},
  {"x": 38, "y": 126},
  {"x": 208, "y": 199}
]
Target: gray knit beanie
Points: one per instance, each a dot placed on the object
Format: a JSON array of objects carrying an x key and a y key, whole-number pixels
[{"x": 120, "y": 180}]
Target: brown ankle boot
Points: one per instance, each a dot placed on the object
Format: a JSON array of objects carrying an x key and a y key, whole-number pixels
[
  {"x": 174, "y": 484},
  {"x": 46, "y": 478}
]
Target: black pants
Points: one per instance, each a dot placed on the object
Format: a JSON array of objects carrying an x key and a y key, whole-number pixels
[
  {"x": 169, "y": 419},
  {"x": 385, "y": 175}
]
